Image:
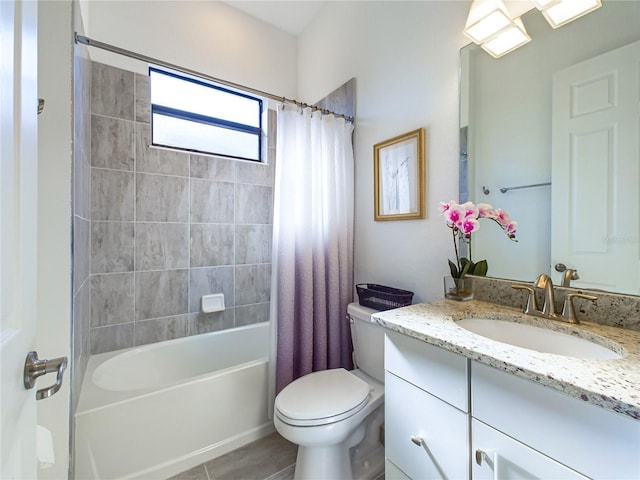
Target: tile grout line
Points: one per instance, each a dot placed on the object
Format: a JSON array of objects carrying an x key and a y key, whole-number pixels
[{"x": 279, "y": 472}]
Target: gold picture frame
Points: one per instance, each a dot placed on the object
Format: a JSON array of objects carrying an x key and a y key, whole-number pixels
[{"x": 399, "y": 177}]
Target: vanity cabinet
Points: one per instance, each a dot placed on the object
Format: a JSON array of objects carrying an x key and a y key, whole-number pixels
[
  {"x": 593, "y": 441},
  {"x": 450, "y": 417},
  {"x": 496, "y": 455},
  {"x": 426, "y": 411}
]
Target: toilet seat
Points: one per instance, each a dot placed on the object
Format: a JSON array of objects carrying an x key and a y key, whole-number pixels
[{"x": 320, "y": 398}]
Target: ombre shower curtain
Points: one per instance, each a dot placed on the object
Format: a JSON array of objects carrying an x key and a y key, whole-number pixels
[{"x": 313, "y": 243}]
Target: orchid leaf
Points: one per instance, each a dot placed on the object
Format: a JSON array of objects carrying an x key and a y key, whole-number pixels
[
  {"x": 454, "y": 269},
  {"x": 466, "y": 267},
  {"x": 480, "y": 268}
]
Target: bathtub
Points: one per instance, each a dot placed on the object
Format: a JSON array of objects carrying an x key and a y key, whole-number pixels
[{"x": 156, "y": 410}]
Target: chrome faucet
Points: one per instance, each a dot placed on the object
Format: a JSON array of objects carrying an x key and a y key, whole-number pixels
[
  {"x": 569, "y": 274},
  {"x": 545, "y": 283},
  {"x": 569, "y": 311},
  {"x": 549, "y": 307}
]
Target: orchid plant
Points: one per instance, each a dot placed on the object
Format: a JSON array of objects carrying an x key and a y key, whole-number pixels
[{"x": 463, "y": 220}]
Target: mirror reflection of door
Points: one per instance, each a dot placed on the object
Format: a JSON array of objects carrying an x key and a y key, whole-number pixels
[{"x": 595, "y": 170}]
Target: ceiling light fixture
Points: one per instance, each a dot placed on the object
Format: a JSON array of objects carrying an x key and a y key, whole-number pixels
[
  {"x": 561, "y": 12},
  {"x": 542, "y": 4},
  {"x": 490, "y": 25},
  {"x": 486, "y": 18},
  {"x": 496, "y": 30},
  {"x": 507, "y": 40}
]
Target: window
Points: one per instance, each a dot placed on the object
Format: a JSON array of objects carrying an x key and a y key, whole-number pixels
[{"x": 191, "y": 114}]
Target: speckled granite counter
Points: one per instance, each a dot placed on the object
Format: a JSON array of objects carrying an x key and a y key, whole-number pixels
[{"x": 611, "y": 384}]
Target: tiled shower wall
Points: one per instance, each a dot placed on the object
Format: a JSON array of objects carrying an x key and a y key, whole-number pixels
[{"x": 168, "y": 227}]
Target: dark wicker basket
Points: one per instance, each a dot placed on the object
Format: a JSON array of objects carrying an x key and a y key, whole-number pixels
[{"x": 380, "y": 297}]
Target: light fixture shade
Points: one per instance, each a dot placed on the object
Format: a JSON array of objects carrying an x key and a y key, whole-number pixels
[
  {"x": 485, "y": 19},
  {"x": 542, "y": 4},
  {"x": 565, "y": 11},
  {"x": 507, "y": 40}
]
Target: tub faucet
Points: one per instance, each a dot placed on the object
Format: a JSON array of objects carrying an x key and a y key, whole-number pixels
[{"x": 549, "y": 307}]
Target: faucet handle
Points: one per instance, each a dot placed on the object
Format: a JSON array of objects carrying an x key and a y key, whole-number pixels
[
  {"x": 532, "y": 301},
  {"x": 568, "y": 310}
]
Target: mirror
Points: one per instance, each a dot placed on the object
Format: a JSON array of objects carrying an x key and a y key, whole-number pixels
[{"x": 507, "y": 143}]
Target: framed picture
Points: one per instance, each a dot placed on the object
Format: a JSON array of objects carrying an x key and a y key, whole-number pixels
[{"x": 399, "y": 177}]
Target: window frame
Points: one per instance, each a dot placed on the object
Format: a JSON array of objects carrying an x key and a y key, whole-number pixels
[{"x": 205, "y": 119}]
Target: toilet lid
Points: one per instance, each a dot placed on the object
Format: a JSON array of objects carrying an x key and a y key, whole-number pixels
[{"x": 318, "y": 396}]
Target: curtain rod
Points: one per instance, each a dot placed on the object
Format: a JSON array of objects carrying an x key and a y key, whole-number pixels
[{"x": 137, "y": 56}]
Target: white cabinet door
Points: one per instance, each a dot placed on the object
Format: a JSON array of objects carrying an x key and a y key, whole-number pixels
[
  {"x": 595, "y": 169},
  {"x": 594, "y": 441},
  {"x": 424, "y": 436},
  {"x": 497, "y": 456}
]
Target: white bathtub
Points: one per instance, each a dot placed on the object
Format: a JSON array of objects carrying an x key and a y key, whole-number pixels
[{"x": 154, "y": 411}]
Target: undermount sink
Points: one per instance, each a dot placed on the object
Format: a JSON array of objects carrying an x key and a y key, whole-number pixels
[{"x": 540, "y": 339}]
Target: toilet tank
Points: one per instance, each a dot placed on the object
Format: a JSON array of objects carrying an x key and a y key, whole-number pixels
[{"x": 368, "y": 341}]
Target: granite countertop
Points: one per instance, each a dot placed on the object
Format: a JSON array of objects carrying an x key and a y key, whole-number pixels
[{"x": 611, "y": 384}]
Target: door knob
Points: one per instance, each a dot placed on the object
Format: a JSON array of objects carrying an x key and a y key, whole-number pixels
[{"x": 34, "y": 368}]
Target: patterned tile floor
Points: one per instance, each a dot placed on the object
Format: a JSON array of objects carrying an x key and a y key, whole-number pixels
[{"x": 270, "y": 458}]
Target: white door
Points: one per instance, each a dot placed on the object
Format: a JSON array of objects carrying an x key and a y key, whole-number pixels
[
  {"x": 596, "y": 169},
  {"x": 18, "y": 200}
]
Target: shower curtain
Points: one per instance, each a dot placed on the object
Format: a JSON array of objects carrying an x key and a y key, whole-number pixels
[{"x": 313, "y": 243}]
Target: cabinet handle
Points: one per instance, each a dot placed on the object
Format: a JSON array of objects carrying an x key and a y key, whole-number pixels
[
  {"x": 491, "y": 459},
  {"x": 419, "y": 441}
]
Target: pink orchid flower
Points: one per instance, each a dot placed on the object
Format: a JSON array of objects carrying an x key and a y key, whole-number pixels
[
  {"x": 510, "y": 228},
  {"x": 444, "y": 206},
  {"x": 503, "y": 217},
  {"x": 463, "y": 220},
  {"x": 469, "y": 225},
  {"x": 485, "y": 210},
  {"x": 454, "y": 215},
  {"x": 470, "y": 210}
]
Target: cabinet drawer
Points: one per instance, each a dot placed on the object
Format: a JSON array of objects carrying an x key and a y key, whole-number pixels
[
  {"x": 505, "y": 457},
  {"x": 444, "y": 429},
  {"x": 593, "y": 441},
  {"x": 435, "y": 370}
]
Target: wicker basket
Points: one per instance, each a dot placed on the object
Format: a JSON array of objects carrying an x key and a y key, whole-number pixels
[{"x": 380, "y": 297}]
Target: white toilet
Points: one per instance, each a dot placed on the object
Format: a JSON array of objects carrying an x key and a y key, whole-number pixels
[{"x": 336, "y": 416}]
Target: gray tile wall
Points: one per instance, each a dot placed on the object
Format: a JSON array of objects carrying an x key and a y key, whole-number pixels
[{"x": 168, "y": 227}]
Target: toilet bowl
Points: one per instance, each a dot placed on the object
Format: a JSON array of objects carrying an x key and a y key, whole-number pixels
[{"x": 335, "y": 416}]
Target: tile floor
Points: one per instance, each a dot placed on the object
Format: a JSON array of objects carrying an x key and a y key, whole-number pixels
[{"x": 270, "y": 458}]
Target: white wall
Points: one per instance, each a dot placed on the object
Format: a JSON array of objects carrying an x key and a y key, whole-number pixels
[
  {"x": 404, "y": 56},
  {"x": 205, "y": 36}
]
